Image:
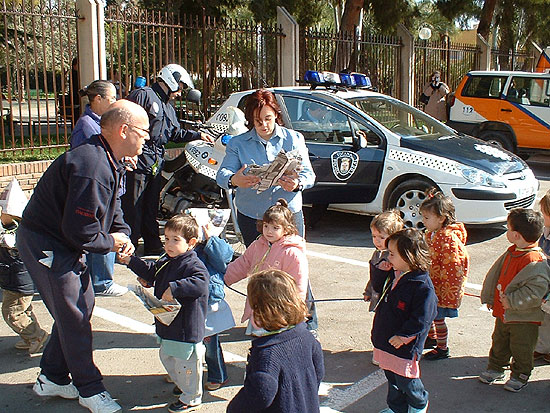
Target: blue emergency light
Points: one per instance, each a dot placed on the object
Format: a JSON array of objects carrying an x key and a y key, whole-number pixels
[{"x": 333, "y": 80}]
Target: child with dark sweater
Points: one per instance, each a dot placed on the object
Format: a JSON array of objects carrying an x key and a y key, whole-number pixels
[
  {"x": 17, "y": 290},
  {"x": 285, "y": 367},
  {"x": 514, "y": 288},
  {"x": 179, "y": 275},
  {"x": 407, "y": 307}
]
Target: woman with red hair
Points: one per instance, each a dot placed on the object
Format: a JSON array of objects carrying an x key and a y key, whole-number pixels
[{"x": 260, "y": 145}]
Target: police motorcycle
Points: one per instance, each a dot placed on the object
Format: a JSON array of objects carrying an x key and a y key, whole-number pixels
[{"x": 189, "y": 180}]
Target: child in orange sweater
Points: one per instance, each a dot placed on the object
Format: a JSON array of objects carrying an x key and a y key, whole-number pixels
[{"x": 449, "y": 266}]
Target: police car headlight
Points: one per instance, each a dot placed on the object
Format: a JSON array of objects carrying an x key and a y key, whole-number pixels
[{"x": 477, "y": 177}]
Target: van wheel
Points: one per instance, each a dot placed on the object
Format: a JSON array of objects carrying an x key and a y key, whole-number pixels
[
  {"x": 407, "y": 198},
  {"x": 497, "y": 138}
]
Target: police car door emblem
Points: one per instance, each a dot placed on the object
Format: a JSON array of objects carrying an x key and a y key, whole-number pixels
[{"x": 344, "y": 164}]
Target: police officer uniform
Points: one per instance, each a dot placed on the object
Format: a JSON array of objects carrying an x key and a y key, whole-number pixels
[{"x": 140, "y": 203}]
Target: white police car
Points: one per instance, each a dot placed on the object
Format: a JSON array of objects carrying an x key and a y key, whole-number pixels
[{"x": 371, "y": 152}]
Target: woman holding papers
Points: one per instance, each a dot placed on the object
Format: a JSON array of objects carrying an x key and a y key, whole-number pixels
[{"x": 260, "y": 146}]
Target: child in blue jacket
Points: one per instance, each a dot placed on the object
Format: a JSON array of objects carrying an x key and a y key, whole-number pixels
[
  {"x": 403, "y": 317},
  {"x": 215, "y": 253}
]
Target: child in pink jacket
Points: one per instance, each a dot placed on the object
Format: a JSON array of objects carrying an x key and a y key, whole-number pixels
[{"x": 279, "y": 247}]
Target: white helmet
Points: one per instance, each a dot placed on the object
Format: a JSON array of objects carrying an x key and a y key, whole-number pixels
[{"x": 175, "y": 77}]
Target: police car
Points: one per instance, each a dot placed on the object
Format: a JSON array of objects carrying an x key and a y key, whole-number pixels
[{"x": 371, "y": 152}]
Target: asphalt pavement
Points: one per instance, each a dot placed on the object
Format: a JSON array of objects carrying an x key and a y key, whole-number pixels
[{"x": 339, "y": 248}]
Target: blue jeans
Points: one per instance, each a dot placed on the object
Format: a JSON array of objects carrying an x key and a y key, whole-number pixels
[
  {"x": 217, "y": 372},
  {"x": 101, "y": 268},
  {"x": 404, "y": 392}
]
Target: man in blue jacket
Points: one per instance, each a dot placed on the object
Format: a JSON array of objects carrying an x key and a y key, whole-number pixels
[{"x": 75, "y": 208}]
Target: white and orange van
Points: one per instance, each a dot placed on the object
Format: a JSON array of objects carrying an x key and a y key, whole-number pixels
[{"x": 510, "y": 109}]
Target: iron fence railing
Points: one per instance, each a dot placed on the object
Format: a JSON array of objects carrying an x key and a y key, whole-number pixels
[
  {"x": 377, "y": 56},
  {"x": 512, "y": 60},
  {"x": 38, "y": 41},
  {"x": 453, "y": 60},
  {"x": 222, "y": 56}
]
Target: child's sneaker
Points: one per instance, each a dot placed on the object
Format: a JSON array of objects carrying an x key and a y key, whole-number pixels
[
  {"x": 100, "y": 403},
  {"x": 490, "y": 376},
  {"x": 44, "y": 387},
  {"x": 514, "y": 385},
  {"x": 211, "y": 385},
  {"x": 537, "y": 355},
  {"x": 546, "y": 358},
  {"x": 430, "y": 343},
  {"x": 178, "y": 407},
  {"x": 436, "y": 354},
  {"x": 36, "y": 345}
]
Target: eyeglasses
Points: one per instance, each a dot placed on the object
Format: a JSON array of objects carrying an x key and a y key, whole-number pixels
[{"x": 137, "y": 127}]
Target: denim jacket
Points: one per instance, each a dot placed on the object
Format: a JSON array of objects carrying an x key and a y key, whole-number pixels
[{"x": 249, "y": 149}]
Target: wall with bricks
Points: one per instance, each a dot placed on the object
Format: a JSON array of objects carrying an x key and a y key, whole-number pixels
[{"x": 29, "y": 173}]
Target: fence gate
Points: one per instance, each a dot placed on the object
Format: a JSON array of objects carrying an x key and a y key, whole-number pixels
[
  {"x": 37, "y": 46},
  {"x": 222, "y": 56}
]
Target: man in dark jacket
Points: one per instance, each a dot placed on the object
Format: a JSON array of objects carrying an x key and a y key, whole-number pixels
[
  {"x": 140, "y": 203},
  {"x": 75, "y": 208}
]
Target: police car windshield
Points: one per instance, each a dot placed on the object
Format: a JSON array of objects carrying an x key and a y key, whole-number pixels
[{"x": 402, "y": 119}]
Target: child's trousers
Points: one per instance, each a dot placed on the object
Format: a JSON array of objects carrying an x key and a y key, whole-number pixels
[
  {"x": 186, "y": 374},
  {"x": 515, "y": 340},
  {"x": 404, "y": 392},
  {"x": 18, "y": 314}
]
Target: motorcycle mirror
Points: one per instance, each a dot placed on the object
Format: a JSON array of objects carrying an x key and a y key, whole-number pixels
[{"x": 194, "y": 96}]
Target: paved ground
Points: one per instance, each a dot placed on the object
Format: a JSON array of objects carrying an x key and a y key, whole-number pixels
[{"x": 127, "y": 354}]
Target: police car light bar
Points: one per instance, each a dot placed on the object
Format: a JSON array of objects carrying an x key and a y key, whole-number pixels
[{"x": 333, "y": 80}]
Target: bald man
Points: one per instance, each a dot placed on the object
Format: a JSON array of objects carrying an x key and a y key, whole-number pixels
[{"x": 75, "y": 208}]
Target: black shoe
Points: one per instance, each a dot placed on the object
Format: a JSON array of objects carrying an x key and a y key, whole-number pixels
[
  {"x": 430, "y": 343},
  {"x": 436, "y": 354},
  {"x": 178, "y": 407},
  {"x": 176, "y": 391}
]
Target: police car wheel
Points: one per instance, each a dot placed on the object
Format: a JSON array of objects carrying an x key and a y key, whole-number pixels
[
  {"x": 497, "y": 138},
  {"x": 407, "y": 197}
]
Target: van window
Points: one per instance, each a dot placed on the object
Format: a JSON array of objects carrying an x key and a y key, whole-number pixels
[
  {"x": 528, "y": 91},
  {"x": 484, "y": 86}
]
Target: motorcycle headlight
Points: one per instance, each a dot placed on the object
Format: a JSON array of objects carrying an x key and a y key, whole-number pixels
[{"x": 478, "y": 177}]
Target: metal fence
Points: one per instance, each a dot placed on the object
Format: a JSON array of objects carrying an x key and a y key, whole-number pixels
[
  {"x": 512, "y": 60},
  {"x": 37, "y": 45},
  {"x": 222, "y": 56},
  {"x": 377, "y": 56},
  {"x": 453, "y": 60}
]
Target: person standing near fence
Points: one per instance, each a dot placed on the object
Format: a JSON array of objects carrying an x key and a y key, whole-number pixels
[
  {"x": 437, "y": 92},
  {"x": 75, "y": 207},
  {"x": 140, "y": 203}
]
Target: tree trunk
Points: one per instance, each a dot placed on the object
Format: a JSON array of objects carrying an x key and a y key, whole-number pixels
[
  {"x": 350, "y": 20},
  {"x": 484, "y": 27}
]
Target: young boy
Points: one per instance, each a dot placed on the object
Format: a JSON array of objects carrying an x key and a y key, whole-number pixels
[
  {"x": 179, "y": 276},
  {"x": 514, "y": 288},
  {"x": 15, "y": 281}
]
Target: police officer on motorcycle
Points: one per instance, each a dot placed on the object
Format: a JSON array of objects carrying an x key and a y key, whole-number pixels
[{"x": 140, "y": 203}]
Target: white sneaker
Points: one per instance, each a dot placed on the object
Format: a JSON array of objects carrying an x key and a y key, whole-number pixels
[
  {"x": 114, "y": 290},
  {"x": 100, "y": 403},
  {"x": 44, "y": 387}
]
